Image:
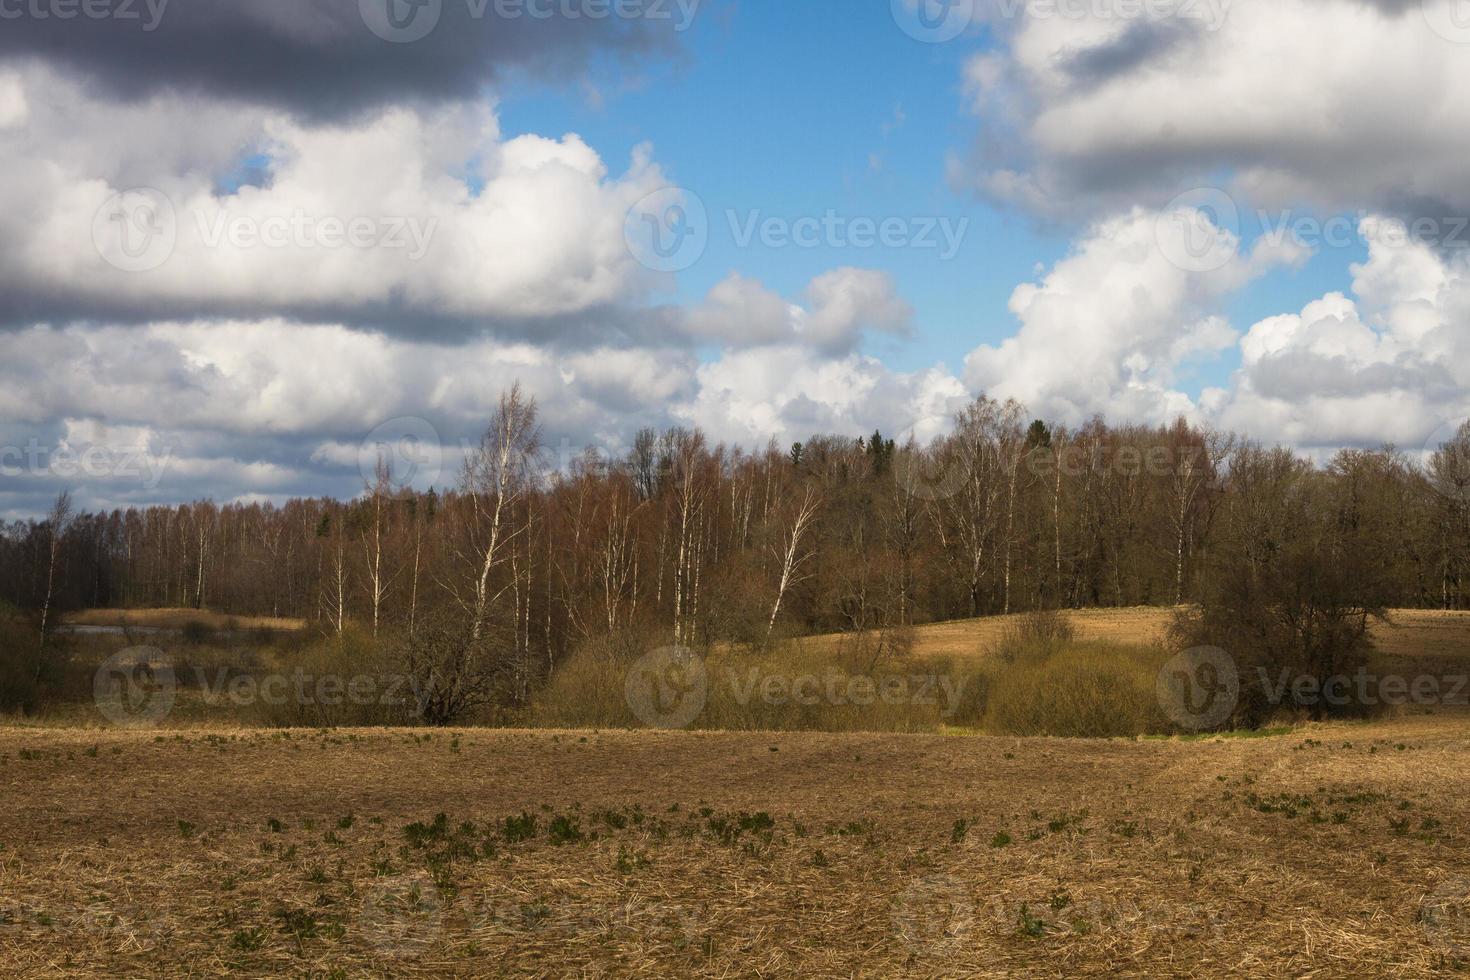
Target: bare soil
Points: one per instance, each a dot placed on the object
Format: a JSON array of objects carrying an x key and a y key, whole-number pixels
[{"x": 1335, "y": 850}]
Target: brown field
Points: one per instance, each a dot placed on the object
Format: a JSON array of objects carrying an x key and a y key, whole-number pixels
[
  {"x": 177, "y": 619},
  {"x": 1409, "y": 633},
  {"x": 1324, "y": 850},
  {"x": 1330, "y": 851}
]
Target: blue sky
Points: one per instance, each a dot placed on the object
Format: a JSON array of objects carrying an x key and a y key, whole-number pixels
[
  {"x": 833, "y": 93},
  {"x": 789, "y": 110}
]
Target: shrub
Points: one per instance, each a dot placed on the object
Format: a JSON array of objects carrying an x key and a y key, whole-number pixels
[
  {"x": 589, "y": 690},
  {"x": 1083, "y": 691},
  {"x": 865, "y": 651},
  {"x": 1035, "y": 635},
  {"x": 974, "y": 696},
  {"x": 20, "y": 661},
  {"x": 383, "y": 699},
  {"x": 455, "y": 674},
  {"x": 196, "y": 632},
  {"x": 1303, "y": 566}
]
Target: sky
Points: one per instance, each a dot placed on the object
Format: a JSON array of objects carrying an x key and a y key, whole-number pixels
[{"x": 250, "y": 246}]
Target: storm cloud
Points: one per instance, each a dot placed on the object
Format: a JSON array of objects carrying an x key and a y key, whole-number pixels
[{"x": 331, "y": 58}]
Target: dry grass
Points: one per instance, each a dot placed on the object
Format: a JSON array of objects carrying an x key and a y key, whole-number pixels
[
  {"x": 1410, "y": 632},
  {"x": 127, "y": 855},
  {"x": 1329, "y": 850},
  {"x": 177, "y": 619},
  {"x": 1431, "y": 633}
]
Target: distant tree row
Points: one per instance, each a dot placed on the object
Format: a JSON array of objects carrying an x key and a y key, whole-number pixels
[{"x": 698, "y": 543}]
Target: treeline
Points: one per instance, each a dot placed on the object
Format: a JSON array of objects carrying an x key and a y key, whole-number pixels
[{"x": 698, "y": 543}]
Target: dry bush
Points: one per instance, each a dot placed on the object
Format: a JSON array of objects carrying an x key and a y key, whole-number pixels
[
  {"x": 587, "y": 690},
  {"x": 1040, "y": 633},
  {"x": 35, "y": 683},
  {"x": 1048, "y": 686},
  {"x": 383, "y": 696},
  {"x": 739, "y": 699},
  {"x": 867, "y": 650},
  {"x": 177, "y": 618},
  {"x": 786, "y": 688},
  {"x": 1089, "y": 690},
  {"x": 20, "y": 661},
  {"x": 197, "y": 632}
]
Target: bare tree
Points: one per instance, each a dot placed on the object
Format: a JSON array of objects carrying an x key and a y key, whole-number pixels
[
  {"x": 972, "y": 510},
  {"x": 374, "y": 530},
  {"x": 1195, "y": 460},
  {"x": 1011, "y": 448},
  {"x": 58, "y": 520},
  {"x": 790, "y": 551},
  {"x": 496, "y": 476},
  {"x": 689, "y": 501},
  {"x": 334, "y": 581}
]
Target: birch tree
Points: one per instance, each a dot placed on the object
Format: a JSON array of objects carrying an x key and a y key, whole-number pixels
[
  {"x": 57, "y": 522},
  {"x": 791, "y": 551},
  {"x": 496, "y": 476}
]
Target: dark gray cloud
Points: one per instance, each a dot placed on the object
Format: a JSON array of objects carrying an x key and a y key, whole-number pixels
[
  {"x": 321, "y": 58},
  {"x": 1090, "y": 118},
  {"x": 1142, "y": 43},
  {"x": 1290, "y": 374},
  {"x": 627, "y": 325},
  {"x": 1392, "y": 6}
]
